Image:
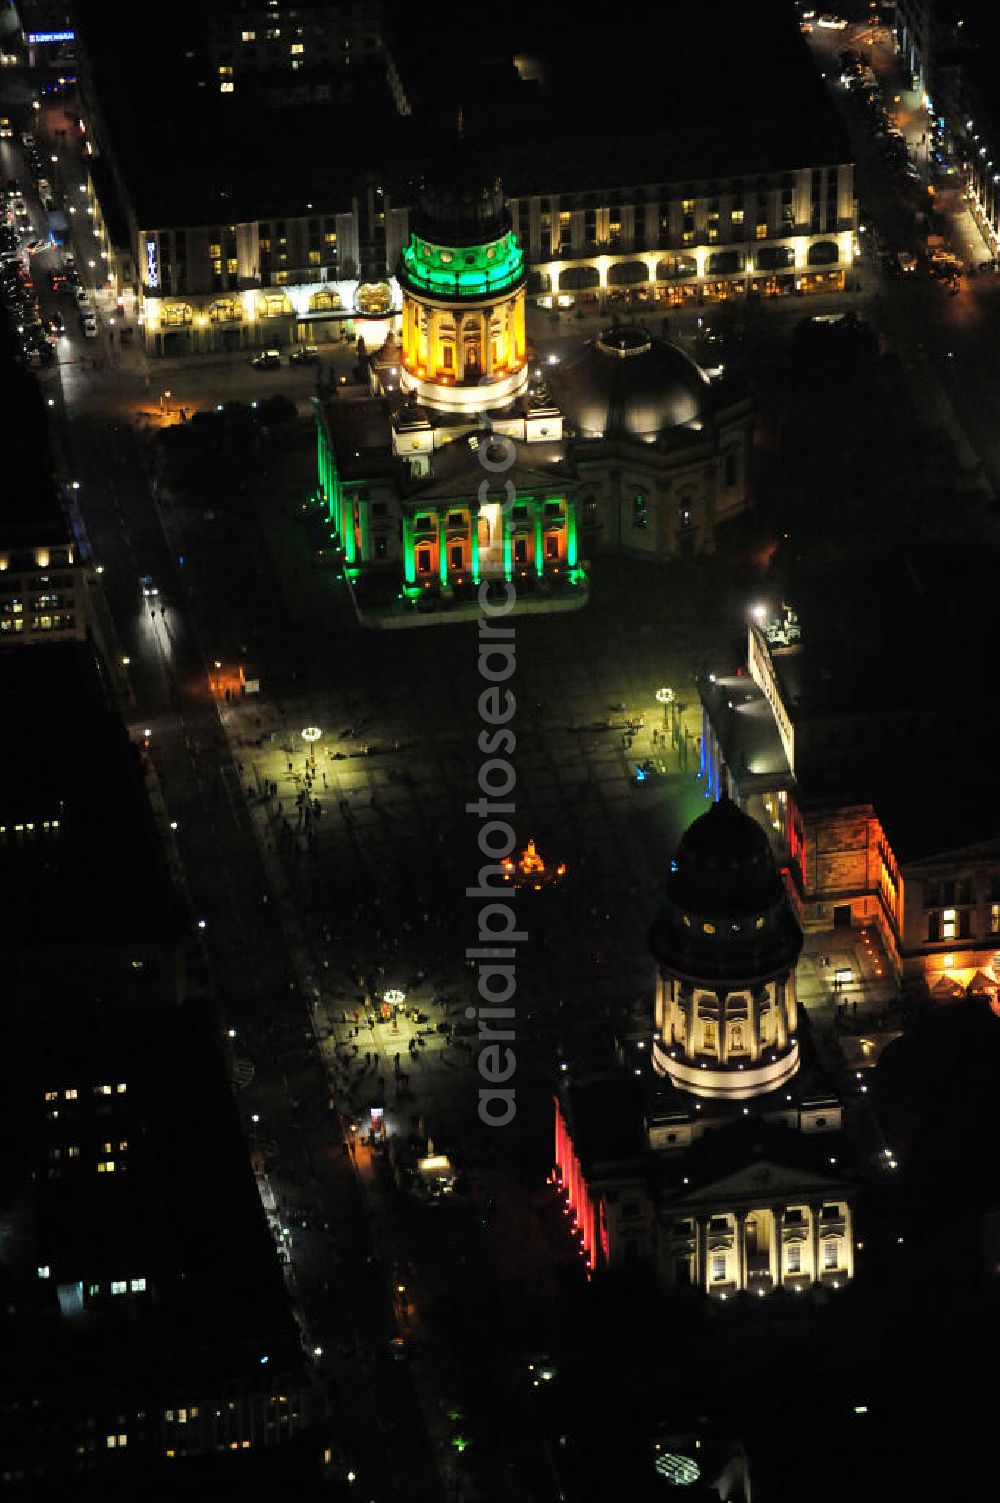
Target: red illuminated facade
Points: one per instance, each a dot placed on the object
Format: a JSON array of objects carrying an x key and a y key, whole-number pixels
[{"x": 579, "y": 1205}]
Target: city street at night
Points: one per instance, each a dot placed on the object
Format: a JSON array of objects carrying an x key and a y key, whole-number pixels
[{"x": 501, "y": 923}]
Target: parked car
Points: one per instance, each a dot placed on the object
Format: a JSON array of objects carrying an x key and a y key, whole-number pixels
[
  {"x": 307, "y": 355},
  {"x": 267, "y": 360},
  {"x": 89, "y": 323}
]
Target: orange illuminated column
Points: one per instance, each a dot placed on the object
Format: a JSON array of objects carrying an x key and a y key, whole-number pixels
[{"x": 519, "y": 339}]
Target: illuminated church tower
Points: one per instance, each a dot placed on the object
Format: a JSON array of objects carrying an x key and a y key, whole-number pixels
[
  {"x": 726, "y": 945},
  {"x": 462, "y": 277}
]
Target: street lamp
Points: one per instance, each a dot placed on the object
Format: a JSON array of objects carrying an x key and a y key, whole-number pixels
[
  {"x": 310, "y": 735},
  {"x": 665, "y": 697},
  {"x": 759, "y": 613}
]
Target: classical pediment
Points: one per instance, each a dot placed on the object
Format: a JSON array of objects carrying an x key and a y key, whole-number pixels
[{"x": 762, "y": 1180}]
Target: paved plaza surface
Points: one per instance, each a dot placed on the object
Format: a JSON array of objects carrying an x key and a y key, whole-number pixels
[{"x": 376, "y": 854}]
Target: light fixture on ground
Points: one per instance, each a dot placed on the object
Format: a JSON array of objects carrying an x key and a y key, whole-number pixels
[
  {"x": 310, "y": 735},
  {"x": 665, "y": 697}
]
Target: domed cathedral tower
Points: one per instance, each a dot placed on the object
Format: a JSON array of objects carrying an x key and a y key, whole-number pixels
[
  {"x": 462, "y": 277},
  {"x": 726, "y": 946}
]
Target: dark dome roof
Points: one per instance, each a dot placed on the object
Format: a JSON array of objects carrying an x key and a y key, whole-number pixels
[
  {"x": 626, "y": 384},
  {"x": 727, "y": 916},
  {"x": 461, "y": 202},
  {"x": 724, "y": 864}
]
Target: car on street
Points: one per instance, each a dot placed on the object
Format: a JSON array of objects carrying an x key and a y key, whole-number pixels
[
  {"x": 56, "y": 324},
  {"x": 307, "y": 355},
  {"x": 89, "y": 324},
  {"x": 149, "y": 588},
  {"x": 6, "y": 129},
  {"x": 267, "y": 360}
]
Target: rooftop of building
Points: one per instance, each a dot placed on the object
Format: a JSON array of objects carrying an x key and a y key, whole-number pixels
[
  {"x": 603, "y": 1109},
  {"x": 751, "y": 1150},
  {"x": 181, "y": 1210},
  {"x": 746, "y": 728},
  {"x": 192, "y": 155},
  {"x": 896, "y": 632},
  {"x": 647, "y": 117},
  {"x": 627, "y": 384},
  {"x": 86, "y": 868},
  {"x": 29, "y": 504},
  {"x": 189, "y": 154},
  {"x": 361, "y": 433}
]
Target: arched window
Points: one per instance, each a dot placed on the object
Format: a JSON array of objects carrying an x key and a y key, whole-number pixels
[
  {"x": 325, "y": 301},
  {"x": 226, "y": 310}
]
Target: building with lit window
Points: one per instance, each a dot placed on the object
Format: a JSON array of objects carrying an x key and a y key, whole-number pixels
[
  {"x": 715, "y": 1152},
  {"x": 147, "y": 1327},
  {"x": 853, "y": 773},
  {"x": 91, "y": 918},
  {"x": 269, "y": 242},
  {"x": 697, "y": 201},
  {"x": 710, "y": 238},
  {"x": 913, "y": 27},
  {"x": 42, "y": 580}
]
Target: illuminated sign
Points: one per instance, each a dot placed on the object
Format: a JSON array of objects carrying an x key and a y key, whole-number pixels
[
  {"x": 50, "y": 36},
  {"x": 152, "y": 265}
]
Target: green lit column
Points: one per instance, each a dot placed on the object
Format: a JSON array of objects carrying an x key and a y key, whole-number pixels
[
  {"x": 539, "y": 549},
  {"x": 474, "y": 540},
  {"x": 508, "y": 544},
  {"x": 442, "y": 547},
  {"x": 409, "y": 559},
  {"x": 347, "y": 528},
  {"x": 571, "y": 551},
  {"x": 363, "y": 520}
]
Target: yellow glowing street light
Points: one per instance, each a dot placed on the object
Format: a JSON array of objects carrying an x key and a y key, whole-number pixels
[{"x": 666, "y": 698}]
